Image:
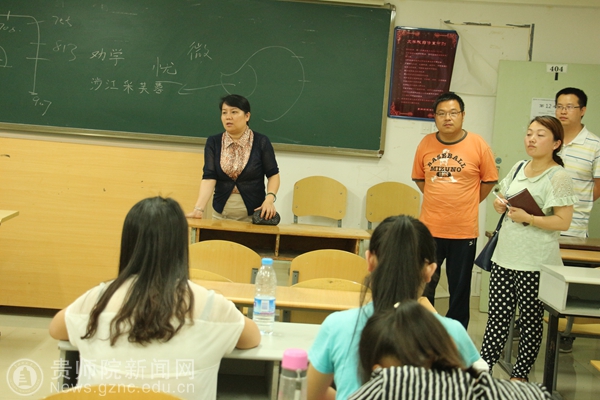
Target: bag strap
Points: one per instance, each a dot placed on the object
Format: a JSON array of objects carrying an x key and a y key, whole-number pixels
[
  {"x": 518, "y": 168},
  {"x": 504, "y": 213}
]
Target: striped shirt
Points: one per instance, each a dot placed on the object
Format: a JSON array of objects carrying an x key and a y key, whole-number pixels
[
  {"x": 582, "y": 161},
  {"x": 408, "y": 382}
]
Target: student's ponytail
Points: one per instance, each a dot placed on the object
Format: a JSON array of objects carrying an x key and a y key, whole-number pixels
[{"x": 403, "y": 252}]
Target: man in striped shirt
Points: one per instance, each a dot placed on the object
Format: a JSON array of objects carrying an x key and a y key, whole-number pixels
[{"x": 581, "y": 155}]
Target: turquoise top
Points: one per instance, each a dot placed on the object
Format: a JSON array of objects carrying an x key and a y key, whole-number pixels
[{"x": 335, "y": 350}]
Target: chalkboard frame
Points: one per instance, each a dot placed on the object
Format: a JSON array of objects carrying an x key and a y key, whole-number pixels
[{"x": 169, "y": 138}]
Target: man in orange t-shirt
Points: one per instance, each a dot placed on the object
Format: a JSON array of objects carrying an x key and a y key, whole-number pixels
[{"x": 455, "y": 171}]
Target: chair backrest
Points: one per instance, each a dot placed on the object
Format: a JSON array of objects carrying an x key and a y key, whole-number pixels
[
  {"x": 203, "y": 274},
  {"x": 232, "y": 260},
  {"x": 102, "y": 392},
  {"x": 319, "y": 196},
  {"x": 328, "y": 264},
  {"x": 317, "y": 317},
  {"x": 391, "y": 198}
]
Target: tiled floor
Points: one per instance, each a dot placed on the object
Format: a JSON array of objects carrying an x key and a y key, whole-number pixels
[{"x": 25, "y": 335}]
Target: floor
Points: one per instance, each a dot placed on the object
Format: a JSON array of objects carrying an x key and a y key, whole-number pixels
[{"x": 25, "y": 336}]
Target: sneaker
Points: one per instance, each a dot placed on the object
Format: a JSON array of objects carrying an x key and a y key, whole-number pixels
[{"x": 566, "y": 345}]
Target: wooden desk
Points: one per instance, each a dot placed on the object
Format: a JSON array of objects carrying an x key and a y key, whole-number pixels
[
  {"x": 584, "y": 252},
  {"x": 287, "y": 297},
  {"x": 566, "y": 291},
  {"x": 580, "y": 256},
  {"x": 576, "y": 243},
  {"x": 5, "y": 215},
  {"x": 270, "y": 350},
  {"x": 281, "y": 242}
]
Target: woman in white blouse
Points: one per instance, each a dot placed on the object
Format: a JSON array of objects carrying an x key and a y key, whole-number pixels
[{"x": 151, "y": 327}]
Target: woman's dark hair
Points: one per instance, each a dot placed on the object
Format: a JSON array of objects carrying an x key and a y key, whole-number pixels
[
  {"x": 410, "y": 334},
  {"x": 154, "y": 252},
  {"x": 235, "y": 100},
  {"x": 558, "y": 133},
  {"x": 403, "y": 245}
]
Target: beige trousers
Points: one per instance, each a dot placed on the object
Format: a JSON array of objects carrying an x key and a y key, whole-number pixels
[{"x": 235, "y": 209}]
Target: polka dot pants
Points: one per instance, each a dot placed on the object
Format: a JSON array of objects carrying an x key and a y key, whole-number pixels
[{"x": 509, "y": 288}]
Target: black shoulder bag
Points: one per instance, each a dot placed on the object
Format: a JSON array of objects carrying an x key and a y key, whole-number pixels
[{"x": 484, "y": 259}]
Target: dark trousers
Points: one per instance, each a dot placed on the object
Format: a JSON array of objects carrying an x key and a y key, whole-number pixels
[
  {"x": 459, "y": 255},
  {"x": 510, "y": 289}
]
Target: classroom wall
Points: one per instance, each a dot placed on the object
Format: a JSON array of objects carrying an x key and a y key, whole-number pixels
[{"x": 562, "y": 34}]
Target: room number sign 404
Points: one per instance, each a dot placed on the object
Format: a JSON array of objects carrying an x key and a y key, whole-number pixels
[{"x": 556, "y": 68}]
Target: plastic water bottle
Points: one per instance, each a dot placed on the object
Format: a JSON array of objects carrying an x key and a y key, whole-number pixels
[
  {"x": 264, "y": 297},
  {"x": 292, "y": 382}
]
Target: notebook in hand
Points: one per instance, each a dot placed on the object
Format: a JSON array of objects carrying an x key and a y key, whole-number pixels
[{"x": 525, "y": 201}]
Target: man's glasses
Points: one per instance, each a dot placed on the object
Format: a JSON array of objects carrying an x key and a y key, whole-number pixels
[
  {"x": 452, "y": 114},
  {"x": 568, "y": 107}
]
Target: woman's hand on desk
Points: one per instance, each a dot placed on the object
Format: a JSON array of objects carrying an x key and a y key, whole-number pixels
[
  {"x": 196, "y": 213},
  {"x": 267, "y": 208}
]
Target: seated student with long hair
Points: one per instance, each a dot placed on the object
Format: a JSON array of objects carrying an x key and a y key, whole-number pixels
[
  {"x": 407, "y": 354},
  {"x": 152, "y": 327},
  {"x": 401, "y": 261}
]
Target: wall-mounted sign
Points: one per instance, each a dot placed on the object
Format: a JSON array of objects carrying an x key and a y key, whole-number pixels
[{"x": 421, "y": 70}]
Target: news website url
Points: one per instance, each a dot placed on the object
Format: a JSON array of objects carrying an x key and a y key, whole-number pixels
[{"x": 105, "y": 389}]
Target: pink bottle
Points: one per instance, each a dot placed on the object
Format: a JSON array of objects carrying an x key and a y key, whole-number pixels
[{"x": 292, "y": 382}]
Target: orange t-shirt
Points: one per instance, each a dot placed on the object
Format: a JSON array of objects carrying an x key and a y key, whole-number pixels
[{"x": 453, "y": 173}]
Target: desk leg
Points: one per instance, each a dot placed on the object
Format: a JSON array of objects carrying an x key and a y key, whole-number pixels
[
  {"x": 272, "y": 378},
  {"x": 69, "y": 362},
  {"x": 550, "y": 362}
]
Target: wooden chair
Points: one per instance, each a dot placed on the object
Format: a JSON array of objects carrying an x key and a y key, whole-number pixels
[
  {"x": 319, "y": 196},
  {"x": 327, "y": 264},
  {"x": 391, "y": 198},
  {"x": 102, "y": 392},
  {"x": 231, "y": 260},
  {"x": 317, "y": 317},
  {"x": 207, "y": 275},
  {"x": 578, "y": 327}
]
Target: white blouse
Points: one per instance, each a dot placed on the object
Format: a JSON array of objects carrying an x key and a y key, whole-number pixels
[{"x": 185, "y": 366}]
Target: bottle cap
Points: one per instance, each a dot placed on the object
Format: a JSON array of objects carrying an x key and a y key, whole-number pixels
[
  {"x": 267, "y": 261},
  {"x": 294, "y": 359}
]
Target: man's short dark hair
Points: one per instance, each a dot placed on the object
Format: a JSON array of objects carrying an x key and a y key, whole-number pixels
[
  {"x": 581, "y": 96},
  {"x": 447, "y": 97}
]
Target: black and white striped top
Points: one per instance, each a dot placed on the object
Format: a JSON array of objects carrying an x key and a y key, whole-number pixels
[{"x": 418, "y": 383}]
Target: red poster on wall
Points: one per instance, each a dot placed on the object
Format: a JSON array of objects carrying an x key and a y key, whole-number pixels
[{"x": 421, "y": 70}]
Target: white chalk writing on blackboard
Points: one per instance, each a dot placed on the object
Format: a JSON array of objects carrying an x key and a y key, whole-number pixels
[
  {"x": 198, "y": 50},
  {"x": 62, "y": 21},
  {"x": 65, "y": 48},
  {"x": 168, "y": 68}
]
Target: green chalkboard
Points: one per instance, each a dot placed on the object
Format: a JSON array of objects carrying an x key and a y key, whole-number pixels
[{"x": 315, "y": 73}]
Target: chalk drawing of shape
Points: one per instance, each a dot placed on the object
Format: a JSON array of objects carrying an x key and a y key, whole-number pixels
[
  {"x": 3, "y": 58},
  {"x": 275, "y": 71}
]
